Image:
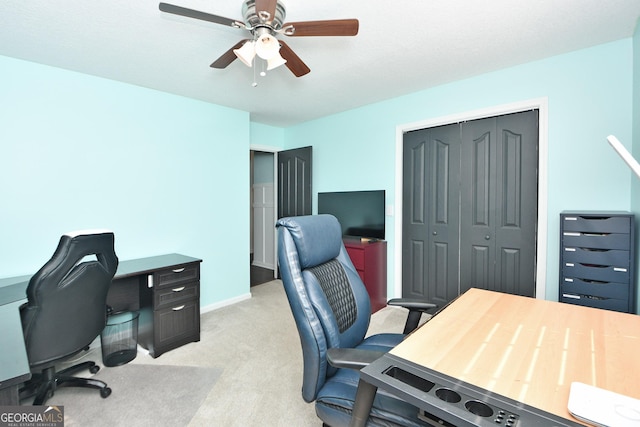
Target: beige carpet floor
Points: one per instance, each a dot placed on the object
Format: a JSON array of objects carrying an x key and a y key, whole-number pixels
[{"x": 254, "y": 346}]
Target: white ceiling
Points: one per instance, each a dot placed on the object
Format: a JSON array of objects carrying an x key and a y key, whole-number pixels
[{"x": 403, "y": 46}]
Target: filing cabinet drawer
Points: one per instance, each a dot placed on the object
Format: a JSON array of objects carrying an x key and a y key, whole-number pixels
[
  {"x": 595, "y": 288},
  {"x": 615, "y": 257},
  {"x": 175, "y": 275},
  {"x": 596, "y": 224},
  {"x": 603, "y": 273},
  {"x": 597, "y": 302},
  {"x": 595, "y": 240},
  {"x": 169, "y": 295}
]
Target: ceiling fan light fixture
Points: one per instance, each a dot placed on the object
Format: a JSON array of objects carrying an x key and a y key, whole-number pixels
[
  {"x": 275, "y": 62},
  {"x": 246, "y": 53},
  {"x": 267, "y": 47}
]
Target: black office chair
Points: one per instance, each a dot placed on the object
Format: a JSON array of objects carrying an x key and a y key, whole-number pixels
[
  {"x": 66, "y": 310},
  {"x": 332, "y": 311}
]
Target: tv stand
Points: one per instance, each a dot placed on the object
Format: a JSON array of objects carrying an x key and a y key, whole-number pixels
[{"x": 369, "y": 257}]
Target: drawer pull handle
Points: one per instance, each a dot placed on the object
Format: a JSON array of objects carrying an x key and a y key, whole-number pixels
[
  {"x": 624, "y": 270},
  {"x": 178, "y": 308},
  {"x": 570, "y": 264},
  {"x": 178, "y": 270},
  {"x": 571, "y": 296},
  {"x": 568, "y": 280},
  {"x": 180, "y": 289},
  {"x": 570, "y": 249},
  {"x": 570, "y": 233}
]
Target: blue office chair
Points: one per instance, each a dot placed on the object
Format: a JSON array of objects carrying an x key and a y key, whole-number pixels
[
  {"x": 332, "y": 311},
  {"x": 66, "y": 310}
]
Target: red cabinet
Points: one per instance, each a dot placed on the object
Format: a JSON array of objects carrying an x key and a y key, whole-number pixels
[{"x": 370, "y": 260}]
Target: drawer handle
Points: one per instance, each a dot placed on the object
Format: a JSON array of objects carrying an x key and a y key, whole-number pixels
[
  {"x": 178, "y": 308},
  {"x": 178, "y": 270},
  {"x": 623, "y": 270},
  {"x": 180, "y": 289}
]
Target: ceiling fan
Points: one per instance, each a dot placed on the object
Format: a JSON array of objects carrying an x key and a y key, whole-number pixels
[{"x": 264, "y": 19}]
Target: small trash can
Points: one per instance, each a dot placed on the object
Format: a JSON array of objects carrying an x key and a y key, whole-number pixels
[{"x": 119, "y": 338}]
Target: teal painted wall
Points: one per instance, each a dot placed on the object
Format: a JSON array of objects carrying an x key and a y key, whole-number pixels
[
  {"x": 589, "y": 97},
  {"x": 162, "y": 171},
  {"x": 159, "y": 160},
  {"x": 265, "y": 136}
]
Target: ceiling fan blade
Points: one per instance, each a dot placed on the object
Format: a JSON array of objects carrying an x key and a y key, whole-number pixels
[
  {"x": 268, "y": 6},
  {"x": 294, "y": 63},
  {"x": 228, "y": 57},
  {"x": 190, "y": 13},
  {"x": 335, "y": 27}
]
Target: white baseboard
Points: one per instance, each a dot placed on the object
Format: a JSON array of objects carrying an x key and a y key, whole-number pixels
[
  {"x": 224, "y": 303},
  {"x": 266, "y": 265}
]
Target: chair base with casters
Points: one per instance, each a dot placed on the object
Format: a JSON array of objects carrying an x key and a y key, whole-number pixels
[{"x": 43, "y": 385}]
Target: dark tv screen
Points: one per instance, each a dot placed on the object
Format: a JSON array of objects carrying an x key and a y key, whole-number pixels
[{"x": 360, "y": 213}]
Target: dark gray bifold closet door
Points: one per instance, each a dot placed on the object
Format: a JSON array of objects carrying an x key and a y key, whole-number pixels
[{"x": 470, "y": 207}]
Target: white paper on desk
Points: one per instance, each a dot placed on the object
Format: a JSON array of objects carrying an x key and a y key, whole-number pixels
[{"x": 603, "y": 408}]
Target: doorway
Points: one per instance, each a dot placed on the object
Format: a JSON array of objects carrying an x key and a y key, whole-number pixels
[
  {"x": 263, "y": 214},
  {"x": 540, "y": 213},
  {"x": 292, "y": 171}
]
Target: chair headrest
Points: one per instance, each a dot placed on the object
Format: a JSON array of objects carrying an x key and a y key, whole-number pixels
[
  {"x": 88, "y": 232},
  {"x": 318, "y": 238}
]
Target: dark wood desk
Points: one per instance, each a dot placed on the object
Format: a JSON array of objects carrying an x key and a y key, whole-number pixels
[
  {"x": 165, "y": 289},
  {"x": 512, "y": 353}
]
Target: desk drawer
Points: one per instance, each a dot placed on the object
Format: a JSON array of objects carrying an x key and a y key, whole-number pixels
[
  {"x": 176, "y": 325},
  {"x": 177, "y": 274},
  {"x": 595, "y": 240},
  {"x": 603, "y": 273},
  {"x": 171, "y": 295},
  {"x": 596, "y": 224},
  {"x": 595, "y": 288}
]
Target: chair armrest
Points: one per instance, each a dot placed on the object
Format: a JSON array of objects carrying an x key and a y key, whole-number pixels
[
  {"x": 416, "y": 307},
  {"x": 352, "y": 358},
  {"x": 412, "y": 304}
]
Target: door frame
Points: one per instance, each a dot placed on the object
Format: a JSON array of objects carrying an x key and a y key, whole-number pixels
[
  {"x": 274, "y": 151},
  {"x": 540, "y": 104}
]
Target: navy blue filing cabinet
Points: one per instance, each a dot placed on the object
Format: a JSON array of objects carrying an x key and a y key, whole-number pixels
[{"x": 597, "y": 259}]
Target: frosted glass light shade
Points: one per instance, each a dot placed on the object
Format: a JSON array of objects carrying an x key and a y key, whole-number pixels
[
  {"x": 246, "y": 53},
  {"x": 275, "y": 62},
  {"x": 267, "y": 46}
]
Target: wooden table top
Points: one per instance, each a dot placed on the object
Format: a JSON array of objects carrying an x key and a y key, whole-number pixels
[{"x": 529, "y": 349}]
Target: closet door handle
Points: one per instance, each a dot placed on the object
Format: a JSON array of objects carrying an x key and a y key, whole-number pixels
[{"x": 178, "y": 308}]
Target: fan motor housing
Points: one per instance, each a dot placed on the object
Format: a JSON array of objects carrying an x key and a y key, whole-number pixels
[{"x": 252, "y": 19}]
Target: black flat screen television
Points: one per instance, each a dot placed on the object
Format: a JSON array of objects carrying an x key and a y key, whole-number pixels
[{"x": 360, "y": 213}]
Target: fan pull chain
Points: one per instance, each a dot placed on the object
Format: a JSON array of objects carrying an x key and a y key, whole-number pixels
[
  {"x": 263, "y": 71},
  {"x": 255, "y": 83}
]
